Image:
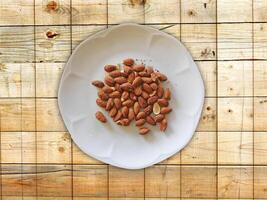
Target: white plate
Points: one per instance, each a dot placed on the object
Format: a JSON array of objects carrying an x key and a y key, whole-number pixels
[{"x": 123, "y": 146}]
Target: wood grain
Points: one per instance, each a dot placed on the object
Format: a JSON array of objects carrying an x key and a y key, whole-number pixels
[
  {"x": 260, "y": 146},
  {"x": 260, "y": 78},
  {"x": 260, "y": 113},
  {"x": 260, "y": 181},
  {"x": 260, "y": 10},
  {"x": 260, "y": 41}
]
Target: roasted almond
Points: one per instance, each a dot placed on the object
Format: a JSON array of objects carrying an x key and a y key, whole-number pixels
[
  {"x": 127, "y": 87},
  {"x": 161, "y": 76},
  {"x": 107, "y": 89},
  {"x": 163, "y": 125},
  {"x": 115, "y": 73},
  {"x": 102, "y": 95},
  {"x": 150, "y": 120},
  {"x": 115, "y": 94},
  {"x": 165, "y": 110},
  {"x": 144, "y": 74},
  {"x": 152, "y": 100},
  {"x": 154, "y": 76},
  {"x": 127, "y": 69},
  {"x": 131, "y": 114},
  {"x": 137, "y": 81},
  {"x": 113, "y": 112},
  {"x": 138, "y": 91},
  {"x": 98, "y": 84},
  {"x": 140, "y": 122},
  {"x": 144, "y": 131},
  {"x": 101, "y": 103},
  {"x": 138, "y": 68},
  {"x": 124, "y": 74},
  {"x": 117, "y": 116},
  {"x": 117, "y": 103},
  {"x": 110, "y": 104},
  {"x": 167, "y": 94},
  {"x": 133, "y": 96},
  {"x": 159, "y": 118},
  {"x": 125, "y": 111},
  {"x": 131, "y": 77},
  {"x": 109, "y": 81},
  {"x": 120, "y": 80},
  {"x": 163, "y": 102},
  {"x": 154, "y": 86},
  {"x": 110, "y": 68},
  {"x": 156, "y": 108},
  {"x": 100, "y": 116},
  {"x": 160, "y": 91},
  {"x": 149, "y": 70},
  {"x": 145, "y": 95},
  {"x": 123, "y": 122},
  {"x": 128, "y": 62},
  {"x": 147, "y": 88},
  {"x": 136, "y": 108},
  {"x": 118, "y": 87},
  {"x": 127, "y": 103},
  {"x": 147, "y": 80},
  {"x": 148, "y": 110},
  {"x": 141, "y": 115},
  {"x": 124, "y": 96},
  {"x": 142, "y": 102}
]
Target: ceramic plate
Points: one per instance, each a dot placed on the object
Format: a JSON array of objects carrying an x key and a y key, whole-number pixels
[{"x": 123, "y": 146}]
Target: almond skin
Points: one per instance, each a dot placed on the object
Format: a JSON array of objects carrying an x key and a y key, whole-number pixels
[
  {"x": 136, "y": 108},
  {"x": 144, "y": 74},
  {"x": 163, "y": 125},
  {"x": 160, "y": 91},
  {"x": 107, "y": 89},
  {"x": 127, "y": 69},
  {"x": 144, "y": 131},
  {"x": 110, "y": 68},
  {"x": 123, "y": 122},
  {"x": 152, "y": 100},
  {"x": 117, "y": 116},
  {"x": 163, "y": 102},
  {"x": 167, "y": 94},
  {"x": 118, "y": 87},
  {"x": 131, "y": 114},
  {"x": 113, "y": 112},
  {"x": 140, "y": 122},
  {"x": 154, "y": 86},
  {"x": 100, "y": 116},
  {"x": 159, "y": 118},
  {"x": 127, "y": 87},
  {"x": 115, "y": 74},
  {"x": 128, "y": 61},
  {"x": 110, "y": 104},
  {"x": 133, "y": 97},
  {"x": 124, "y": 96},
  {"x": 150, "y": 120},
  {"x": 120, "y": 80},
  {"x": 127, "y": 103},
  {"x": 147, "y": 88},
  {"x": 109, "y": 81},
  {"x": 138, "y": 91},
  {"x": 142, "y": 102},
  {"x": 149, "y": 70},
  {"x": 131, "y": 77},
  {"x": 101, "y": 103},
  {"x": 141, "y": 115},
  {"x": 148, "y": 110},
  {"x": 98, "y": 84},
  {"x": 161, "y": 76},
  {"x": 137, "y": 81},
  {"x": 125, "y": 111},
  {"x": 117, "y": 103},
  {"x": 102, "y": 95},
  {"x": 165, "y": 110},
  {"x": 147, "y": 80},
  {"x": 145, "y": 95},
  {"x": 138, "y": 68},
  {"x": 115, "y": 94}
]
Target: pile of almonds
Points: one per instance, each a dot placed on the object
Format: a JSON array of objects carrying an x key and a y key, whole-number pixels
[{"x": 133, "y": 93}]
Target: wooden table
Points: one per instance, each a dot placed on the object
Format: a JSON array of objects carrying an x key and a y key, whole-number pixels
[{"x": 227, "y": 158}]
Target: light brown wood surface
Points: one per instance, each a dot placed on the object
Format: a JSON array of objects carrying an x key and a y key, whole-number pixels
[{"x": 226, "y": 158}]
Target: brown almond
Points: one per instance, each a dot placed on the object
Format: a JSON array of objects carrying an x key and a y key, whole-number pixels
[
  {"x": 137, "y": 81},
  {"x": 149, "y": 70},
  {"x": 127, "y": 103},
  {"x": 150, "y": 120},
  {"x": 159, "y": 118},
  {"x": 127, "y": 69},
  {"x": 167, "y": 94},
  {"x": 102, "y": 95},
  {"x": 117, "y": 103},
  {"x": 163, "y": 102},
  {"x": 131, "y": 114},
  {"x": 109, "y": 81},
  {"x": 118, "y": 87},
  {"x": 161, "y": 76},
  {"x": 115, "y": 94},
  {"x": 165, "y": 110},
  {"x": 127, "y": 87},
  {"x": 107, "y": 89},
  {"x": 101, "y": 103},
  {"x": 131, "y": 77},
  {"x": 124, "y": 96},
  {"x": 152, "y": 100},
  {"x": 128, "y": 62},
  {"x": 154, "y": 76},
  {"x": 142, "y": 102},
  {"x": 133, "y": 96},
  {"x": 110, "y": 68},
  {"x": 110, "y": 104},
  {"x": 98, "y": 84},
  {"x": 125, "y": 111},
  {"x": 120, "y": 80},
  {"x": 148, "y": 110},
  {"x": 147, "y": 80},
  {"x": 138, "y": 68},
  {"x": 147, "y": 88},
  {"x": 140, "y": 122},
  {"x": 136, "y": 108},
  {"x": 117, "y": 116},
  {"x": 141, "y": 115},
  {"x": 124, "y": 74},
  {"x": 144, "y": 131},
  {"x": 145, "y": 95},
  {"x": 115, "y": 73},
  {"x": 160, "y": 91},
  {"x": 123, "y": 122},
  {"x": 138, "y": 91},
  {"x": 163, "y": 125},
  {"x": 154, "y": 86},
  {"x": 100, "y": 116},
  {"x": 113, "y": 112},
  {"x": 144, "y": 74}
]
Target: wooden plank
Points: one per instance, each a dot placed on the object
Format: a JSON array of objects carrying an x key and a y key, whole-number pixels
[
  {"x": 162, "y": 181},
  {"x": 52, "y": 43},
  {"x": 89, "y": 12},
  {"x": 173, "y": 160},
  {"x": 16, "y": 44},
  {"x": 260, "y": 113},
  {"x": 91, "y": 198},
  {"x": 17, "y": 80},
  {"x": 16, "y": 12},
  {"x": 198, "y": 182},
  {"x": 260, "y": 182},
  {"x": 260, "y": 78},
  {"x": 200, "y": 39},
  {"x": 53, "y": 147},
  {"x": 260, "y": 148},
  {"x": 237, "y": 11},
  {"x": 125, "y": 11},
  {"x": 260, "y": 10},
  {"x": 235, "y": 182},
  {"x": 235, "y": 148},
  {"x": 48, "y": 116},
  {"x": 90, "y": 180},
  {"x": 125, "y": 183},
  {"x": 235, "y": 114},
  {"x": 260, "y": 41},
  {"x": 48, "y": 76},
  {"x": 208, "y": 118},
  {"x": 157, "y": 11},
  {"x": 54, "y": 180},
  {"x": 198, "y": 11},
  {"x": 29, "y": 180},
  {"x": 201, "y": 149},
  {"x": 11, "y": 147},
  {"x": 173, "y": 29},
  {"x": 234, "y": 41},
  {"x": 28, "y": 147},
  {"x": 235, "y": 78},
  {"x": 50, "y": 12}
]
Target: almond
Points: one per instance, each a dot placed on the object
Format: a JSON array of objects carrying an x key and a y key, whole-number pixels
[
  {"x": 124, "y": 96},
  {"x": 159, "y": 118},
  {"x": 167, "y": 94},
  {"x": 144, "y": 131},
  {"x": 165, "y": 110},
  {"x": 141, "y": 115},
  {"x": 120, "y": 80},
  {"x": 102, "y": 95},
  {"x": 113, "y": 112},
  {"x": 138, "y": 68},
  {"x": 138, "y": 91},
  {"x": 154, "y": 86},
  {"x": 154, "y": 76},
  {"x": 147, "y": 88},
  {"x": 118, "y": 87},
  {"x": 117, "y": 103},
  {"x": 101, "y": 103},
  {"x": 131, "y": 77},
  {"x": 152, "y": 100},
  {"x": 124, "y": 74},
  {"x": 133, "y": 97},
  {"x": 161, "y": 76},
  {"x": 123, "y": 122},
  {"x": 127, "y": 103},
  {"x": 149, "y": 70},
  {"x": 144, "y": 74},
  {"x": 163, "y": 125},
  {"x": 107, "y": 89},
  {"x": 140, "y": 122},
  {"x": 110, "y": 68},
  {"x": 137, "y": 81},
  {"x": 115, "y": 73},
  {"x": 150, "y": 120},
  {"x": 131, "y": 114},
  {"x": 98, "y": 84},
  {"x": 127, "y": 87},
  {"x": 127, "y": 69},
  {"x": 145, "y": 95},
  {"x": 160, "y": 91},
  {"x": 110, "y": 104},
  {"x": 148, "y": 110},
  {"x": 163, "y": 102},
  {"x": 156, "y": 108},
  {"x": 109, "y": 81},
  {"x": 115, "y": 94},
  {"x": 118, "y": 116},
  {"x": 142, "y": 102},
  {"x": 100, "y": 116},
  {"x": 147, "y": 80},
  {"x": 128, "y": 62},
  {"x": 136, "y": 108},
  {"x": 125, "y": 111}
]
